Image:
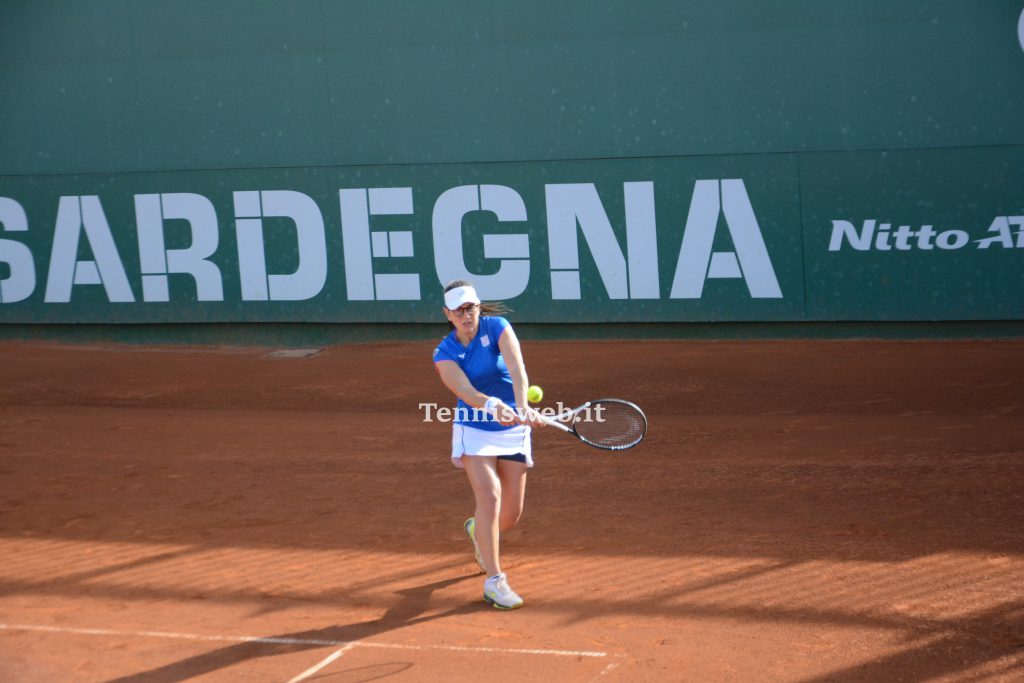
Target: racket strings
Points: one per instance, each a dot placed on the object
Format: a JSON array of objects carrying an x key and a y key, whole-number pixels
[{"x": 611, "y": 425}]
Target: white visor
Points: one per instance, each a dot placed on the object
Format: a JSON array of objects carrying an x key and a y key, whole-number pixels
[{"x": 460, "y": 296}]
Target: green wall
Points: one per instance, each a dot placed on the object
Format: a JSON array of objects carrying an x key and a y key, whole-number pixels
[
  {"x": 644, "y": 162},
  {"x": 128, "y": 85}
]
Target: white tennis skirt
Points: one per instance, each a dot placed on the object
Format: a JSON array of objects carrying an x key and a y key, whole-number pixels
[{"x": 470, "y": 441}]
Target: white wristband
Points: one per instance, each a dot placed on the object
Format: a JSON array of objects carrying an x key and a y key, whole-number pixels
[{"x": 491, "y": 406}]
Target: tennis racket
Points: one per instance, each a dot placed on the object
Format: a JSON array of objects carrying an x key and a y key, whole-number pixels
[{"x": 608, "y": 423}]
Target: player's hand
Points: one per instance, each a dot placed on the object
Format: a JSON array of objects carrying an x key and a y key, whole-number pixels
[
  {"x": 506, "y": 416},
  {"x": 529, "y": 416}
]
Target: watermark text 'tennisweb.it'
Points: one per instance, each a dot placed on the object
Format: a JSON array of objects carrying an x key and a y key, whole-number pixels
[{"x": 434, "y": 413}]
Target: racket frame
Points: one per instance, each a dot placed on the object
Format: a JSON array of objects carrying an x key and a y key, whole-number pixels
[{"x": 568, "y": 414}]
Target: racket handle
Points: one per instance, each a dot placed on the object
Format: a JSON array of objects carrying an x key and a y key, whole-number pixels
[{"x": 553, "y": 423}]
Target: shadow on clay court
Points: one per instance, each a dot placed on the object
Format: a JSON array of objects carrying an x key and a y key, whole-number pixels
[
  {"x": 415, "y": 601},
  {"x": 963, "y": 645}
]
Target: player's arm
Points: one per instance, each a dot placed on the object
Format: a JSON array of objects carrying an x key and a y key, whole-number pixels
[
  {"x": 457, "y": 382},
  {"x": 508, "y": 344}
]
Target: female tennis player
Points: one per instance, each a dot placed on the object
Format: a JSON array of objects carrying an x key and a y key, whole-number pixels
[{"x": 481, "y": 363}]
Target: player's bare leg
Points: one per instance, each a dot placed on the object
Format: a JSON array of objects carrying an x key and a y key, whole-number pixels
[
  {"x": 487, "y": 492},
  {"x": 513, "y": 492}
]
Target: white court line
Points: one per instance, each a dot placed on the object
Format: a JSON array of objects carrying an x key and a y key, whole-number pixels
[
  {"x": 492, "y": 650},
  {"x": 604, "y": 672},
  {"x": 333, "y": 657},
  {"x": 296, "y": 641}
]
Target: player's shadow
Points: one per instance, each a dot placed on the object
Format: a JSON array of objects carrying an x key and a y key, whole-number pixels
[{"x": 407, "y": 612}]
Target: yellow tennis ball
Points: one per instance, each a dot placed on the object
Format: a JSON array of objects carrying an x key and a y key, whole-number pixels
[{"x": 534, "y": 394}]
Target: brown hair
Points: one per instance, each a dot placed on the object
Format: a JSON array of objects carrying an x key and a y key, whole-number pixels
[{"x": 486, "y": 307}]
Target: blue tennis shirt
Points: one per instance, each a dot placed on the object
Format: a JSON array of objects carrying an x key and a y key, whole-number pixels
[{"x": 482, "y": 362}]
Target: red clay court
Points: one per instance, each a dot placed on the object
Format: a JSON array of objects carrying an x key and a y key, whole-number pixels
[{"x": 800, "y": 511}]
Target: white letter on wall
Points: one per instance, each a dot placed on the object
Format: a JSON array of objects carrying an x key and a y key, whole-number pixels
[
  {"x": 749, "y": 262},
  {"x": 21, "y": 282},
  {"x": 311, "y": 273},
  {"x": 512, "y": 251},
  {"x": 572, "y": 205},
  {"x": 361, "y": 246},
  {"x": 73, "y": 214},
  {"x": 151, "y": 210}
]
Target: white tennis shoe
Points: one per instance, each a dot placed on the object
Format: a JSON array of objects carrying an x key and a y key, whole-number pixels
[
  {"x": 470, "y": 527},
  {"x": 498, "y": 593}
]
